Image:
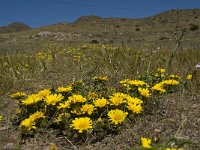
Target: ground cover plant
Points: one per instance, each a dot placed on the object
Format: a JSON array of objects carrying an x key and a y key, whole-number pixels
[
  {"x": 89, "y": 92},
  {"x": 92, "y": 106}
]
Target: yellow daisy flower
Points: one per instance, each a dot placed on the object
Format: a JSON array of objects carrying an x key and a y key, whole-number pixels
[
  {"x": 18, "y": 95},
  {"x": 32, "y": 99},
  {"x": 53, "y": 99},
  {"x": 161, "y": 70},
  {"x": 87, "y": 108},
  {"x": 146, "y": 142},
  {"x": 189, "y": 77},
  {"x": 44, "y": 93},
  {"x": 30, "y": 123},
  {"x": 117, "y": 116},
  {"x": 77, "y": 98},
  {"x": 158, "y": 87},
  {"x": 81, "y": 124},
  {"x": 135, "y": 108},
  {"x": 100, "y": 102},
  {"x": 170, "y": 82},
  {"x": 64, "y": 89},
  {"x": 144, "y": 92},
  {"x": 64, "y": 105},
  {"x": 118, "y": 99},
  {"x": 137, "y": 83}
]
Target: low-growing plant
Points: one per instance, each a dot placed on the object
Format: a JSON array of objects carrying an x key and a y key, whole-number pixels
[
  {"x": 162, "y": 144},
  {"x": 92, "y": 106}
]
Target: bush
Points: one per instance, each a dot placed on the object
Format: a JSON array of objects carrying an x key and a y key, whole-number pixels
[{"x": 194, "y": 27}]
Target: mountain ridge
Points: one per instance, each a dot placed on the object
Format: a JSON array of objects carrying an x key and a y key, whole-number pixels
[{"x": 160, "y": 27}]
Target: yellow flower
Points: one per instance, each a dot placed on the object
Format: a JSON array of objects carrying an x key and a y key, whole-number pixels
[
  {"x": 61, "y": 116},
  {"x": 170, "y": 82},
  {"x": 30, "y": 123},
  {"x": 156, "y": 75},
  {"x": 77, "y": 58},
  {"x": 144, "y": 92},
  {"x": 1, "y": 118},
  {"x": 64, "y": 105},
  {"x": 100, "y": 102},
  {"x": 125, "y": 81},
  {"x": 158, "y": 87},
  {"x": 53, "y": 147},
  {"x": 64, "y": 89},
  {"x": 134, "y": 105},
  {"x": 87, "y": 108},
  {"x": 127, "y": 86},
  {"x": 135, "y": 108},
  {"x": 118, "y": 98},
  {"x": 174, "y": 76},
  {"x": 44, "y": 93},
  {"x": 137, "y": 83},
  {"x": 37, "y": 115},
  {"x": 146, "y": 142},
  {"x": 53, "y": 99},
  {"x": 162, "y": 75},
  {"x": 100, "y": 78},
  {"x": 81, "y": 124},
  {"x": 32, "y": 99},
  {"x": 117, "y": 116},
  {"x": 91, "y": 95},
  {"x": 189, "y": 77},
  {"x": 18, "y": 95},
  {"x": 77, "y": 98},
  {"x": 134, "y": 100},
  {"x": 161, "y": 70}
]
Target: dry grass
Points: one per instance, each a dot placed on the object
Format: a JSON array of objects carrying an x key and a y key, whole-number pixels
[{"x": 177, "y": 115}]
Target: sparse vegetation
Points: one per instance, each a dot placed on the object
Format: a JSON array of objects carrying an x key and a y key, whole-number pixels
[{"x": 73, "y": 95}]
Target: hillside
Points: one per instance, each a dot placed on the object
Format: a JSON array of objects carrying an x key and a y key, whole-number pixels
[
  {"x": 14, "y": 27},
  {"x": 160, "y": 29}
]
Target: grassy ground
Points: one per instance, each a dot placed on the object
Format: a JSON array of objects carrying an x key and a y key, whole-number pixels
[{"x": 57, "y": 64}]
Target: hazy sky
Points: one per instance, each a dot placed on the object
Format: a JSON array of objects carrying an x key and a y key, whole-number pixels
[{"x": 37, "y": 13}]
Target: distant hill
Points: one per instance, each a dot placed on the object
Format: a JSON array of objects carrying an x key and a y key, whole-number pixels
[
  {"x": 14, "y": 27},
  {"x": 158, "y": 28},
  {"x": 166, "y": 21}
]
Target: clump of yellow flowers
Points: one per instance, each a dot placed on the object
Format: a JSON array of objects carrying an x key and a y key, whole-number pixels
[
  {"x": 30, "y": 122},
  {"x": 18, "y": 95},
  {"x": 148, "y": 144},
  {"x": 79, "y": 105}
]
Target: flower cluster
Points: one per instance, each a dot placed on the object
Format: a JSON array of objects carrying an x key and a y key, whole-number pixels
[
  {"x": 81, "y": 104},
  {"x": 160, "y": 87},
  {"x": 18, "y": 95},
  {"x": 148, "y": 144},
  {"x": 30, "y": 122}
]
